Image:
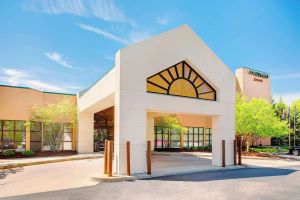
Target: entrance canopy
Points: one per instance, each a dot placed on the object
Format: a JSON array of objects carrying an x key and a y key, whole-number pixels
[{"x": 174, "y": 72}]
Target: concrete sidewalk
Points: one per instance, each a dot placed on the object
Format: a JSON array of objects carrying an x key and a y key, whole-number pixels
[{"x": 21, "y": 162}]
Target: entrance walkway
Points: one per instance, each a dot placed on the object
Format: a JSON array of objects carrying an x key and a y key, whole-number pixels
[{"x": 170, "y": 163}]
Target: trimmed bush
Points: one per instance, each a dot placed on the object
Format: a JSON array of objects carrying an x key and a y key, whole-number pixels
[
  {"x": 27, "y": 153},
  {"x": 193, "y": 148},
  {"x": 9, "y": 153},
  {"x": 200, "y": 148},
  {"x": 207, "y": 148}
]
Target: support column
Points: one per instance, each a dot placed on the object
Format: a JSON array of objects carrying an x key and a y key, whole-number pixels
[
  {"x": 222, "y": 129},
  {"x": 130, "y": 125},
  {"x": 74, "y": 131},
  {"x": 27, "y": 137},
  {"x": 181, "y": 139},
  {"x": 204, "y": 136},
  {"x": 85, "y": 137},
  {"x": 150, "y": 130}
]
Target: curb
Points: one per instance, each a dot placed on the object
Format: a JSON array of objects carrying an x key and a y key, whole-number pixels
[
  {"x": 145, "y": 176},
  {"x": 15, "y": 165},
  {"x": 120, "y": 178},
  {"x": 114, "y": 179}
]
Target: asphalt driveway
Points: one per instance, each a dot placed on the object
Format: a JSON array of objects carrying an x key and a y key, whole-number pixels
[
  {"x": 249, "y": 183},
  {"x": 265, "y": 179}
]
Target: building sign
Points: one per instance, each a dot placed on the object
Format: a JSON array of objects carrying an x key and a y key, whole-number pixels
[
  {"x": 258, "y": 74},
  {"x": 258, "y": 80}
]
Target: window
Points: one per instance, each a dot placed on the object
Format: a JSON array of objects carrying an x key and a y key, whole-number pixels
[
  {"x": 195, "y": 137},
  {"x": 181, "y": 80},
  {"x": 165, "y": 139},
  {"x": 67, "y": 137},
  {"x": 12, "y": 135},
  {"x": 208, "y": 137},
  {"x": 192, "y": 138},
  {"x": 35, "y": 136}
]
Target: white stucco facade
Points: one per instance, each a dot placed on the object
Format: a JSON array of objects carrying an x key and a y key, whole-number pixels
[{"x": 124, "y": 87}]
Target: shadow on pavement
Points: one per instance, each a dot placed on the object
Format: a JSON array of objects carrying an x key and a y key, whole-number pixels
[
  {"x": 5, "y": 172},
  {"x": 227, "y": 174}
]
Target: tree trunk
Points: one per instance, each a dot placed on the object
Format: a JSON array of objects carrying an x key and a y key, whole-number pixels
[{"x": 247, "y": 146}]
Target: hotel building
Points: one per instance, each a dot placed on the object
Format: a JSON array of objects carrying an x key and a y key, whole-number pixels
[{"x": 172, "y": 73}]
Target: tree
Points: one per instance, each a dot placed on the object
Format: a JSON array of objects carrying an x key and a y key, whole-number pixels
[
  {"x": 54, "y": 118},
  {"x": 295, "y": 112},
  {"x": 281, "y": 109},
  {"x": 169, "y": 122},
  {"x": 256, "y": 119}
]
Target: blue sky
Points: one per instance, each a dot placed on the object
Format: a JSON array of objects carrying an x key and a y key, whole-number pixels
[{"x": 65, "y": 46}]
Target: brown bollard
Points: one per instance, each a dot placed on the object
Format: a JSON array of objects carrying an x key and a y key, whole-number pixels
[
  {"x": 234, "y": 152},
  {"x": 239, "y": 150},
  {"x": 110, "y": 158},
  {"x": 148, "y": 153},
  {"x": 223, "y": 153},
  {"x": 105, "y": 156},
  {"x": 128, "y": 158}
]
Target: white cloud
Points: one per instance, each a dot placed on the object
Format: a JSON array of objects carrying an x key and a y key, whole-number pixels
[
  {"x": 56, "y": 57},
  {"x": 162, "y": 20},
  {"x": 18, "y": 77},
  {"x": 104, "y": 33},
  {"x": 105, "y": 10},
  {"x": 288, "y": 98},
  {"x": 56, "y": 7},
  {"x": 137, "y": 36},
  {"x": 44, "y": 86},
  {"x": 13, "y": 76},
  {"x": 286, "y": 76}
]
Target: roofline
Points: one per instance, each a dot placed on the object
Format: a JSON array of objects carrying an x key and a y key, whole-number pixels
[
  {"x": 82, "y": 92},
  {"x": 28, "y": 88}
]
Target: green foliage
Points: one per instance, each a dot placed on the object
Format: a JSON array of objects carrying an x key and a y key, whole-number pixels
[
  {"x": 256, "y": 118},
  {"x": 281, "y": 109},
  {"x": 54, "y": 118},
  {"x": 169, "y": 122},
  {"x": 193, "y": 148},
  {"x": 62, "y": 112},
  {"x": 295, "y": 111},
  {"x": 263, "y": 149},
  {"x": 27, "y": 153},
  {"x": 208, "y": 148},
  {"x": 9, "y": 153},
  {"x": 200, "y": 148},
  {"x": 269, "y": 149}
]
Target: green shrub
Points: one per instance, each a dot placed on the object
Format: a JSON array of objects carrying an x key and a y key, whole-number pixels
[
  {"x": 9, "y": 153},
  {"x": 193, "y": 148},
  {"x": 263, "y": 150},
  {"x": 207, "y": 148},
  {"x": 200, "y": 148},
  {"x": 27, "y": 153}
]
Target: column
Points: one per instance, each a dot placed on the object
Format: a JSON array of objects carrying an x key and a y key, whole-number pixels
[
  {"x": 150, "y": 130},
  {"x": 27, "y": 136},
  {"x": 85, "y": 137},
  {"x": 222, "y": 129}
]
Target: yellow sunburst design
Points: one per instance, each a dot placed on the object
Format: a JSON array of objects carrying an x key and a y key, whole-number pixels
[{"x": 181, "y": 80}]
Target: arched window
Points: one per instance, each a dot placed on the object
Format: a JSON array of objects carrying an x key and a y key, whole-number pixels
[{"x": 181, "y": 80}]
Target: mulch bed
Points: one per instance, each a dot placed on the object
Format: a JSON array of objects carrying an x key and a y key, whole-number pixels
[{"x": 42, "y": 154}]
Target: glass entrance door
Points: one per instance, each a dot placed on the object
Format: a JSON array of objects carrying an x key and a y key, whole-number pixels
[{"x": 103, "y": 130}]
